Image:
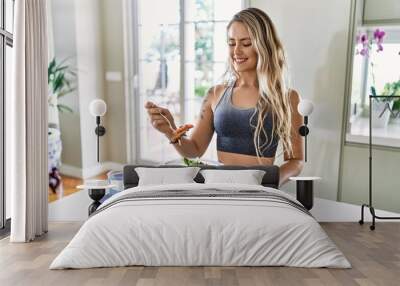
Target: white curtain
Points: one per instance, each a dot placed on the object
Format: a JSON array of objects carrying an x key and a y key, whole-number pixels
[{"x": 26, "y": 129}]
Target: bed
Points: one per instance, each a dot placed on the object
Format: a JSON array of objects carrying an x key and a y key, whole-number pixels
[{"x": 201, "y": 224}]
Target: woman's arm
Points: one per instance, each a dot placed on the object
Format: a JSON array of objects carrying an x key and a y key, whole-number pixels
[
  {"x": 202, "y": 133},
  {"x": 293, "y": 164},
  {"x": 200, "y": 138}
]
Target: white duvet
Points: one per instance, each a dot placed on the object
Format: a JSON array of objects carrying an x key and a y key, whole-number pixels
[{"x": 200, "y": 231}]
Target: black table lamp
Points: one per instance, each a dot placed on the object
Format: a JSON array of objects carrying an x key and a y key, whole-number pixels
[
  {"x": 98, "y": 108},
  {"x": 305, "y": 108}
]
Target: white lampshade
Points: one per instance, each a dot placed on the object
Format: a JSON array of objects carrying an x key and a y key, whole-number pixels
[
  {"x": 305, "y": 107},
  {"x": 97, "y": 107}
]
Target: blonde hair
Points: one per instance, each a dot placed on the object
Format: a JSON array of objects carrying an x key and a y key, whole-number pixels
[{"x": 271, "y": 71}]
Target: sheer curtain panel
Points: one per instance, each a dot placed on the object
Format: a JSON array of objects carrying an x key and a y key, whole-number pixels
[{"x": 26, "y": 127}]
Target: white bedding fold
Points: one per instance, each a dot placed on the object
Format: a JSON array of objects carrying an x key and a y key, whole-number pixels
[{"x": 200, "y": 231}]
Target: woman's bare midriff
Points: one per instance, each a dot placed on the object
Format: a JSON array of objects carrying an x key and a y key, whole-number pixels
[{"x": 227, "y": 158}]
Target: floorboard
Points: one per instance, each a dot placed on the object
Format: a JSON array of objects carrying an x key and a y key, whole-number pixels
[{"x": 374, "y": 255}]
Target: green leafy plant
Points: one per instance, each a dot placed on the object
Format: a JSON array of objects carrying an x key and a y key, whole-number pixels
[
  {"x": 192, "y": 163},
  {"x": 393, "y": 89},
  {"x": 200, "y": 90},
  {"x": 59, "y": 78}
]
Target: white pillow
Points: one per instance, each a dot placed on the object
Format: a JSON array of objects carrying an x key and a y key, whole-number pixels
[
  {"x": 249, "y": 177},
  {"x": 163, "y": 176}
]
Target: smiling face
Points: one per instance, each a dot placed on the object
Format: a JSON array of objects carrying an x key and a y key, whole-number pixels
[{"x": 241, "y": 50}]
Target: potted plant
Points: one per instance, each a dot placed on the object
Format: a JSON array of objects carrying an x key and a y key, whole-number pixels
[
  {"x": 380, "y": 108},
  {"x": 60, "y": 76}
]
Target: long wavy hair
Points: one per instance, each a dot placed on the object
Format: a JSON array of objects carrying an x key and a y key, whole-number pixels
[{"x": 271, "y": 76}]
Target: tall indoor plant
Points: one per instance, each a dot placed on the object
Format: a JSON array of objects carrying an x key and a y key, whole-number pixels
[{"x": 60, "y": 78}]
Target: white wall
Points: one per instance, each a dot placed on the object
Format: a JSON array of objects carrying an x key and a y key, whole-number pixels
[
  {"x": 315, "y": 36},
  {"x": 63, "y": 37},
  {"x": 113, "y": 61},
  {"x": 90, "y": 74}
]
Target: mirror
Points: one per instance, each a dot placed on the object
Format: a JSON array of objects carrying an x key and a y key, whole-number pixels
[{"x": 373, "y": 70}]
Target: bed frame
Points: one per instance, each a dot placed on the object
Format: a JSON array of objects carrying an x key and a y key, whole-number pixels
[{"x": 270, "y": 179}]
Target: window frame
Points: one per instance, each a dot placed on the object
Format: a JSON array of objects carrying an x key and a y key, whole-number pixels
[
  {"x": 6, "y": 39},
  {"x": 134, "y": 143},
  {"x": 382, "y": 143}
]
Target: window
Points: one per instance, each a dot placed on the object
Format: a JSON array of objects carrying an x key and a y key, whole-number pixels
[
  {"x": 379, "y": 70},
  {"x": 6, "y": 43},
  {"x": 181, "y": 54}
]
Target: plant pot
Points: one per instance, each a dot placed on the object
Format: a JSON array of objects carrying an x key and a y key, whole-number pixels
[
  {"x": 381, "y": 113},
  {"x": 54, "y": 148}
]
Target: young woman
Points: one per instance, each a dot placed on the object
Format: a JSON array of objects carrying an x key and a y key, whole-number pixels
[{"x": 250, "y": 113}]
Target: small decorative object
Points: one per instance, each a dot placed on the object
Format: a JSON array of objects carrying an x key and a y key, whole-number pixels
[
  {"x": 54, "y": 148},
  {"x": 54, "y": 179},
  {"x": 305, "y": 108},
  {"x": 98, "y": 108}
]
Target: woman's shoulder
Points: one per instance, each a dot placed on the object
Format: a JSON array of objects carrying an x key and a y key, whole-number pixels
[{"x": 215, "y": 92}]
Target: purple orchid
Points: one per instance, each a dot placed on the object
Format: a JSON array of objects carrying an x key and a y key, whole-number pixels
[
  {"x": 378, "y": 35},
  {"x": 364, "y": 52},
  {"x": 366, "y": 44},
  {"x": 364, "y": 39}
]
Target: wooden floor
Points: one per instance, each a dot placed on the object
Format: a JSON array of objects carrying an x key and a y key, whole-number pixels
[
  {"x": 68, "y": 186},
  {"x": 375, "y": 257}
]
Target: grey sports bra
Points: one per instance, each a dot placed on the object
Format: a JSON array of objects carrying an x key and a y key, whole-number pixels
[{"x": 234, "y": 132}]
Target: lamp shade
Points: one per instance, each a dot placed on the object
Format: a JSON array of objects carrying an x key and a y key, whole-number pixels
[
  {"x": 97, "y": 107},
  {"x": 305, "y": 107}
]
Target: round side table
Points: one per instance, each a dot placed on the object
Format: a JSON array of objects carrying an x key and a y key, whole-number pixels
[
  {"x": 304, "y": 190},
  {"x": 96, "y": 193}
]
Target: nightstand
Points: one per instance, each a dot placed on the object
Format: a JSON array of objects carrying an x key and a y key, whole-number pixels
[
  {"x": 304, "y": 190},
  {"x": 96, "y": 193}
]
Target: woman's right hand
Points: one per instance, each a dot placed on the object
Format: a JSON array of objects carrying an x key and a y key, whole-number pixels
[{"x": 159, "y": 121}]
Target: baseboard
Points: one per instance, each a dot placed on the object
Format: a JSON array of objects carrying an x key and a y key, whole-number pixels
[
  {"x": 91, "y": 171},
  {"x": 70, "y": 170},
  {"x": 114, "y": 166}
]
